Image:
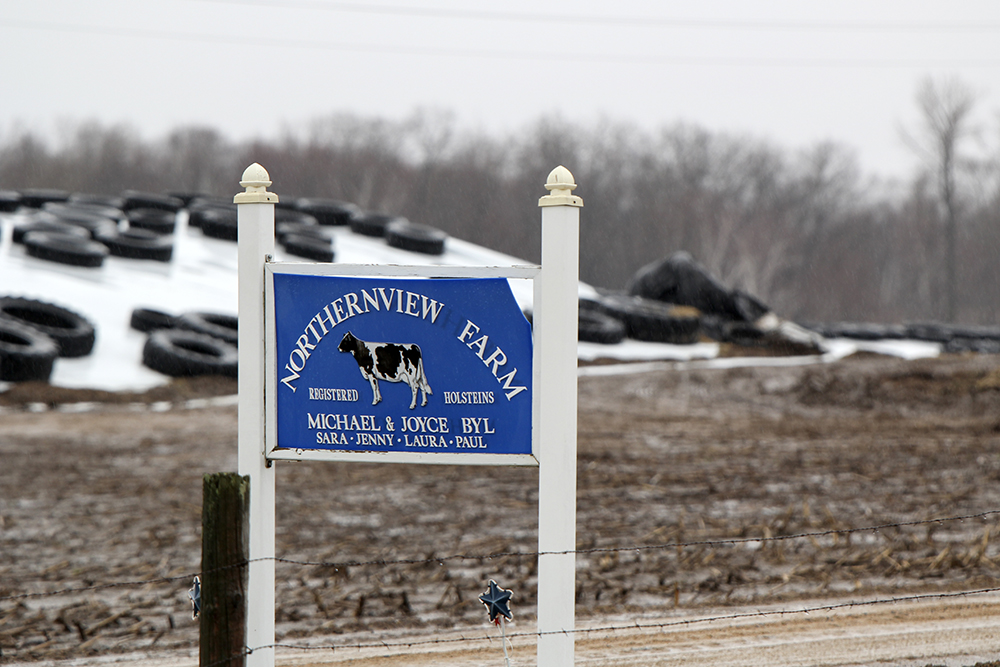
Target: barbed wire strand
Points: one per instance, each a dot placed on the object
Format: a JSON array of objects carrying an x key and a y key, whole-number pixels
[
  {"x": 613, "y": 628},
  {"x": 648, "y": 547},
  {"x": 516, "y": 554},
  {"x": 124, "y": 584}
]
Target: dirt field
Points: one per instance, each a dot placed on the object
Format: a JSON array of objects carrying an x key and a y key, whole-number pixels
[{"x": 695, "y": 464}]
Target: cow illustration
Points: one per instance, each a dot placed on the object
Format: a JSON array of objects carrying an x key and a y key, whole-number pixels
[{"x": 392, "y": 362}]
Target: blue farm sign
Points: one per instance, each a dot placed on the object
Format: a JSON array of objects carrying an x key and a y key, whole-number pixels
[{"x": 401, "y": 365}]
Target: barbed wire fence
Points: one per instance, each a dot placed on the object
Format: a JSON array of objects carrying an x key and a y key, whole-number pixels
[{"x": 675, "y": 546}]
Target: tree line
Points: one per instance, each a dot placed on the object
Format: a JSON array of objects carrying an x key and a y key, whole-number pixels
[{"x": 803, "y": 230}]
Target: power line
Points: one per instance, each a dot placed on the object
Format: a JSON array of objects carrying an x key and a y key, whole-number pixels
[
  {"x": 612, "y": 20},
  {"x": 505, "y": 55}
]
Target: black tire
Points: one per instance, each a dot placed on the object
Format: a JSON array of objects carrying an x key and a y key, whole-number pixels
[
  {"x": 654, "y": 321},
  {"x": 963, "y": 345},
  {"x": 596, "y": 327},
  {"x": 329, "y": 212},
  {"x": 65, "y": 248},
  {"x": 103, "y": 201},
  {"x": 928, "y": 331},
  {"x": 46, "y": 222},
  {"x": 291, "y": 215},
  {"x": 283, "y": 229},
  {"x": 860, "y": 331},
  {"x": 10, "y": 201},
  {"x": 152, "y": 219},
  {"x": 94, "y": 223},
  {"x": 186, "y": 197},
  {"x": 748, "y": 306},
  {"x": 26, "y": 354},
  {"x": 148, "y": 319},
  {"x": 744, "y": 334},
  {"x": 218, "y": 325},
  {"x": 38, "y": 197},
  {"x": 197, "y": 208},
  {"x": 372, "y": 224},
  {"x": 410, "y": 236},
  {"x": 971, "y": 331},
  {"x": 138, "y": 244},
  {"x": 134, "y": 199},
  {"x": 71, "y": 209},
  {"x": 73, "y": 334},
  {"x": 219, "y": 223},
  {"x": 309, "y": 247},
  {"x": 180, "y": 353}
]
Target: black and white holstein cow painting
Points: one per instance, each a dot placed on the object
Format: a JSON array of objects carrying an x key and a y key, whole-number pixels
[{"x": 392, "y": 362}]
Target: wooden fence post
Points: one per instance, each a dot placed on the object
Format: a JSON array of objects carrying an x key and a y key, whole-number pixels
[{"x": 225, "y": 544}]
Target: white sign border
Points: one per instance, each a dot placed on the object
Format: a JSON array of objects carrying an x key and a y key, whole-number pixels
[{"x": 272, "y": 453}]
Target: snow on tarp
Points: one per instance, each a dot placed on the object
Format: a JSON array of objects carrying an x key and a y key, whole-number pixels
[{"x": 203, "y": 277}]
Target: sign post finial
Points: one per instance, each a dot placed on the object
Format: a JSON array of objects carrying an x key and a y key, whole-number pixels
[
  {"x": 560, "y": 185},
  {"x": 255, "y": 180}
]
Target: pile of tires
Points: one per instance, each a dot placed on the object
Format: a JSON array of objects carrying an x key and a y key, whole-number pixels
[
  {"x": 954, "y": 338},
  {"x": 34, "y": 333},
  {"x": 189, "y": 344},
  {"x": 650, "y": 320},
  {"x": 726, "y": 315},
  {"x": 83, "y": 231}
]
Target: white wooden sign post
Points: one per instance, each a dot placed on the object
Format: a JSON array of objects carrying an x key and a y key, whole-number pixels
[
  {"x": 324, "y": 317},
  {"x": 255, "y": 225},
  {"x": 556, "y": 304}
]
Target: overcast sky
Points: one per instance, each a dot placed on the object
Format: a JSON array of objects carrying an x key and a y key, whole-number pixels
[{"x": 794, "y": 72}]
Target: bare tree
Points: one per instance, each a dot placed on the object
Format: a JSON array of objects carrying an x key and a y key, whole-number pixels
[{"x": 945, "y": 107}]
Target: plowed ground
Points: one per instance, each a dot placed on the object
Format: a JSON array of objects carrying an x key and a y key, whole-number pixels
[{"x": 680, "y": 473}]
